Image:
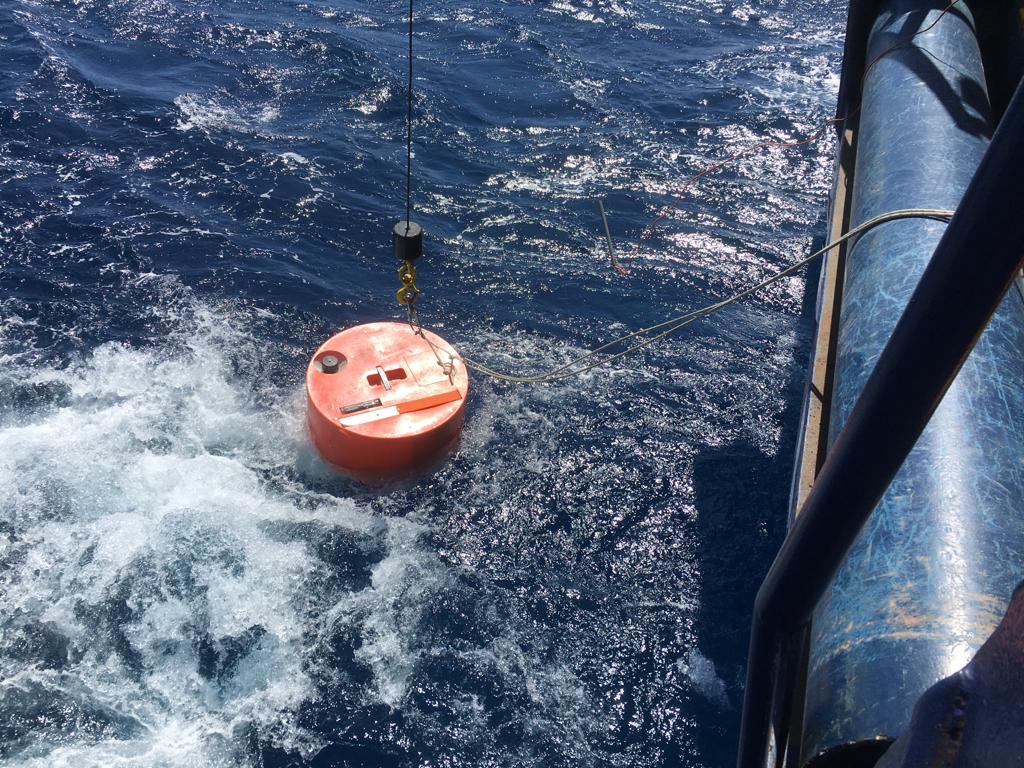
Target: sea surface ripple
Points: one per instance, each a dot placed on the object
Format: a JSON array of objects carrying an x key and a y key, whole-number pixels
[{"x": 195, "y": 193}]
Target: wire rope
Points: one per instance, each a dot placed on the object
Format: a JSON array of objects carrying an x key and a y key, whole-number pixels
[{"x": 586, "y": 362}]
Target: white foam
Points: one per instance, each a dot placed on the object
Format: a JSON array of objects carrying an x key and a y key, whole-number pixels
[
  {"x": 212, "y": 113},
  {"x": 700, "y": 672},
  {"x": 371, "y": 102},
  {"x": 141, "y": 525},
  {"x": 294, "y": 158}
]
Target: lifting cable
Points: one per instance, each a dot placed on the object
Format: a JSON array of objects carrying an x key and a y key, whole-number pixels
[{"x": 408, "y": 134}]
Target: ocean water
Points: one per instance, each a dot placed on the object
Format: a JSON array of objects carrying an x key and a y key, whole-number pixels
[{"x": 195, "y": 193}]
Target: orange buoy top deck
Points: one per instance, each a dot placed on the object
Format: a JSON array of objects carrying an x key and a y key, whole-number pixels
[{"x": 379, "y": 401}]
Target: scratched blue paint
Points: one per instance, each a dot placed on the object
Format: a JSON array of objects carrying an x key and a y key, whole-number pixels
[{"x": 933, "y": 570}]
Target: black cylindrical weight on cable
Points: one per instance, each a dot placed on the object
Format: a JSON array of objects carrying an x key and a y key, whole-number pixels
[{"x": 408, "y": 239}]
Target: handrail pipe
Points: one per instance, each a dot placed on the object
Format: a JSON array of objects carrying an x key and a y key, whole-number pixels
[{"x": 978, "y": 257}]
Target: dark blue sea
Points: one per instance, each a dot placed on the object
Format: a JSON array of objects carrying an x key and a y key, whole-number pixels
[{"x": 195, "y": 193}]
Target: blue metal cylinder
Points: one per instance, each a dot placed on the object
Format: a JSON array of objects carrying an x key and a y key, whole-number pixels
[{"x": 929, "y": 576}]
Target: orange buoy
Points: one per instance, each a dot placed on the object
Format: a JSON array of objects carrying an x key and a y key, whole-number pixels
[{"x": 380, "y": 404}]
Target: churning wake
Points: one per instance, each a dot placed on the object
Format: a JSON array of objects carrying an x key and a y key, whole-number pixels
[
  {"x": 174, "y": 593},
  {"x": 159, "y": 598}
]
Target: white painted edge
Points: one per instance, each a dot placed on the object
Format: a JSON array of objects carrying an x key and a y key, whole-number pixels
[{"x": 377, "y": 414}]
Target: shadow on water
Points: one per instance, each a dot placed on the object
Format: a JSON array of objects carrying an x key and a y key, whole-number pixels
[{"x": 742, "y": 500}]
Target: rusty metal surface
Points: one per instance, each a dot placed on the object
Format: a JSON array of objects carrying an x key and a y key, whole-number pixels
[
  {"x": 818, "y": 394},
  {"x": 944, "y": 322},
  {"x": 928, "y": 577},
  {"x": 974, "y": 718}
]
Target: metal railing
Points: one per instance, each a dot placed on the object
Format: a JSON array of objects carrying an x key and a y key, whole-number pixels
[{"x": 977, "y": 259}]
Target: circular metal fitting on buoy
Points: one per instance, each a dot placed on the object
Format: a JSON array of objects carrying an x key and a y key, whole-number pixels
[
  {"x": 328, "y": 361},
  {"x": 389, "y": 408}
]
